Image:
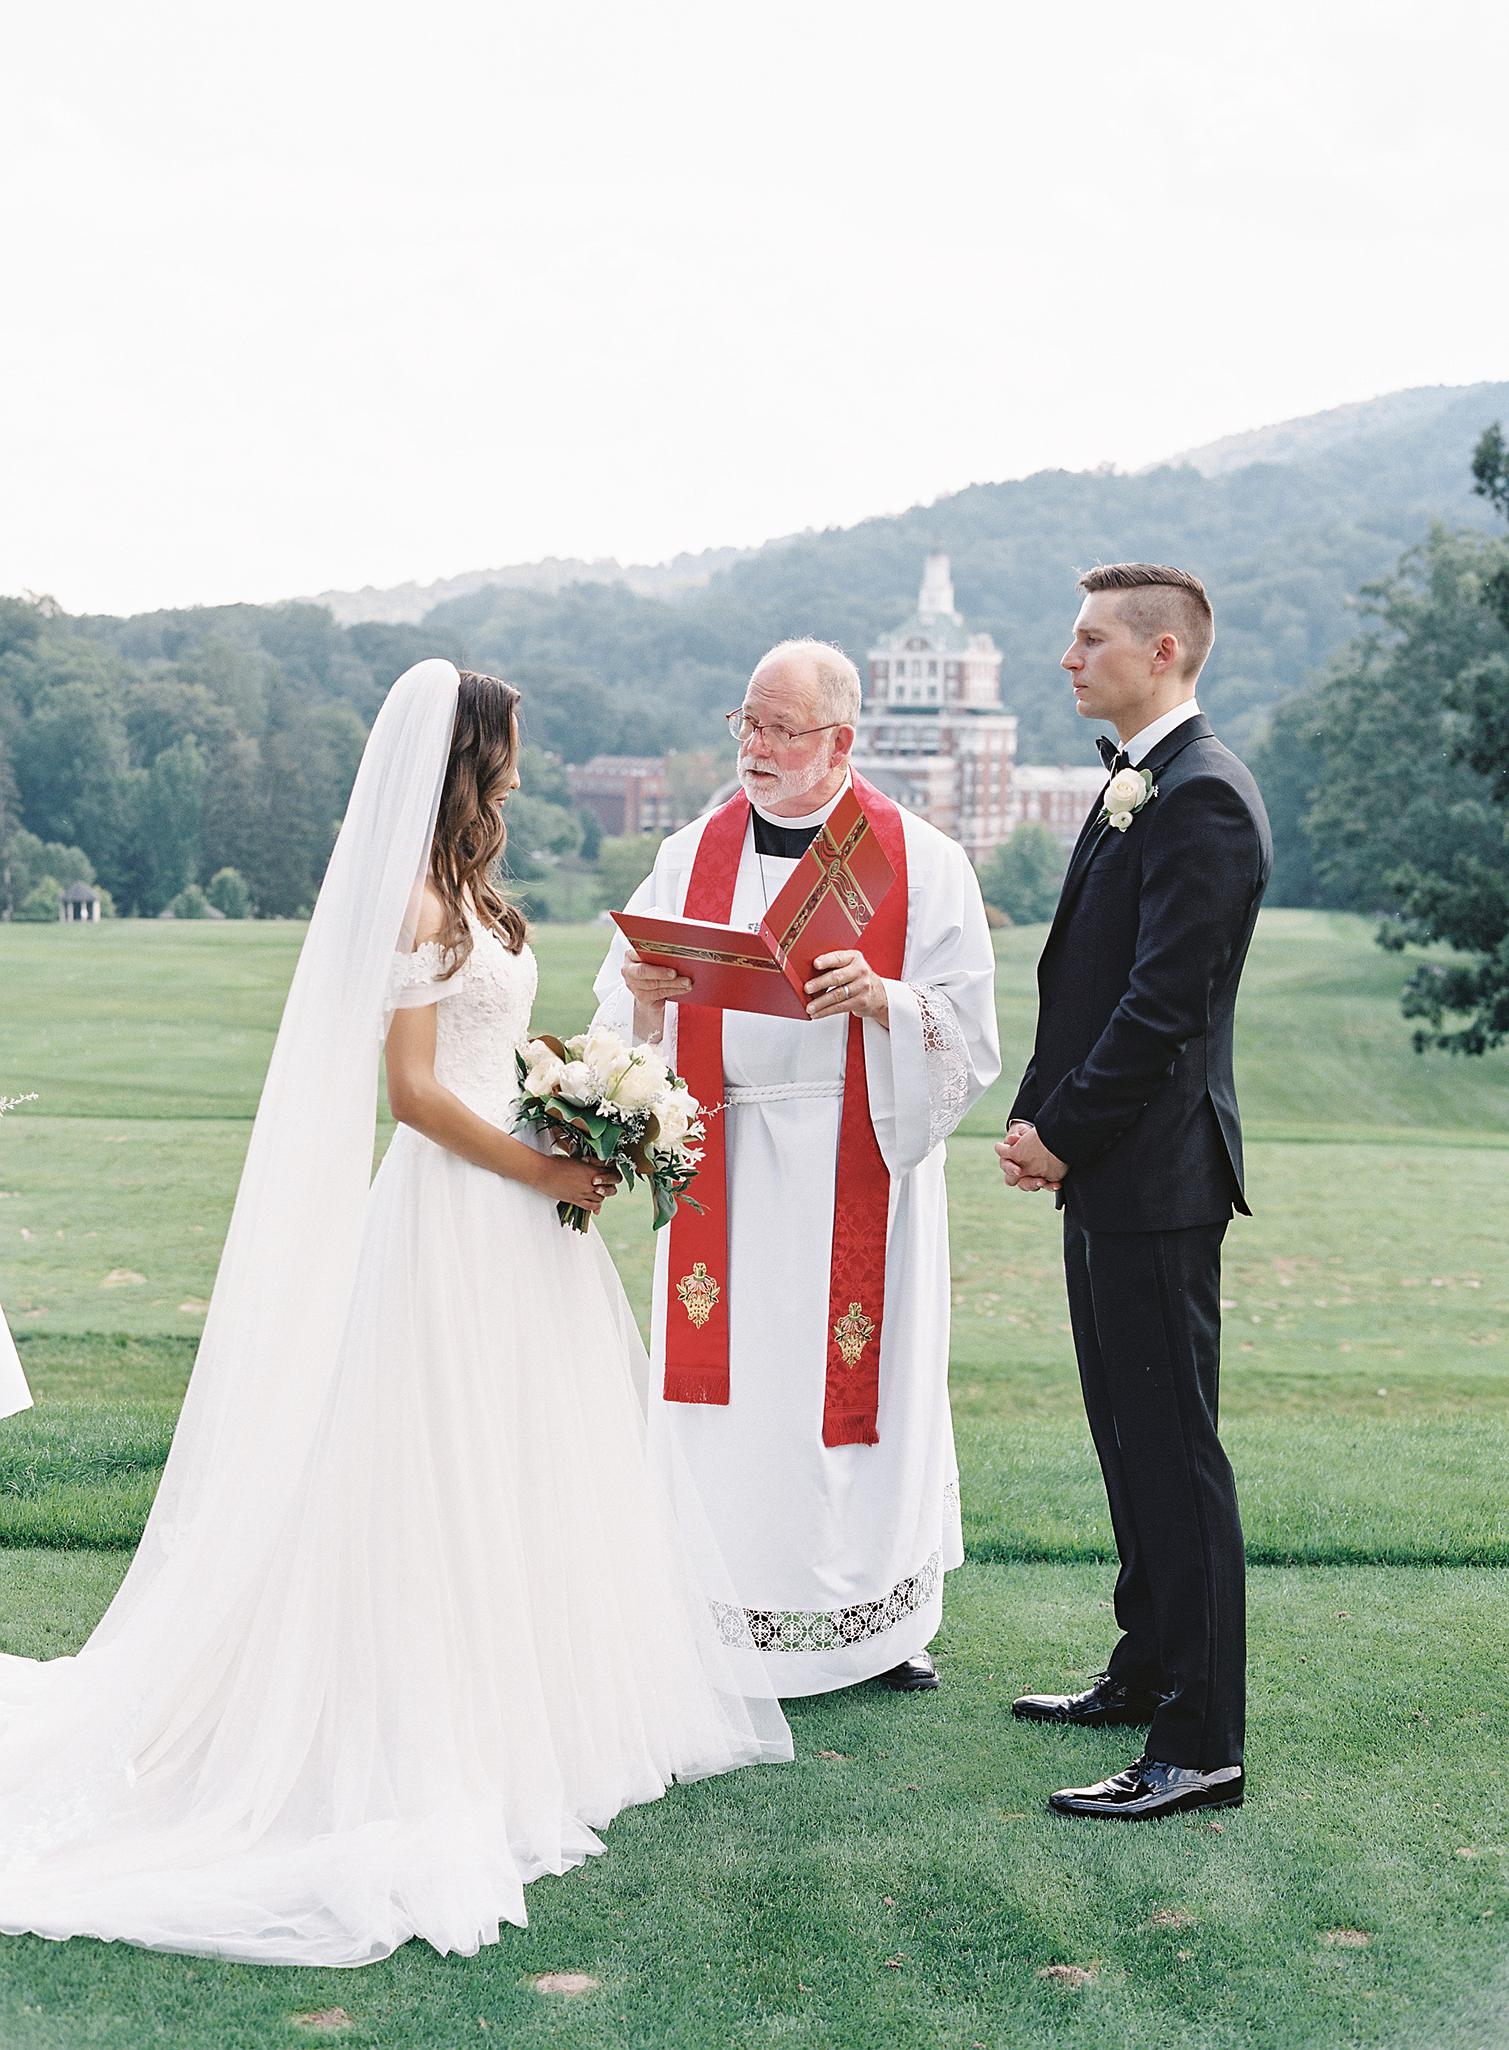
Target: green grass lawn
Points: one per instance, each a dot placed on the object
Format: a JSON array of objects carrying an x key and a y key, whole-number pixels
[{"x": 901, "y": 1883}]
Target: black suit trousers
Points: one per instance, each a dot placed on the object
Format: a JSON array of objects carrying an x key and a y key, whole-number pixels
[{"x": 1145, "y": 1307}]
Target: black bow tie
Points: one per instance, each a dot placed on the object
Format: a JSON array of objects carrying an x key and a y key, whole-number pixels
[{"x": 1114, "y": 757}]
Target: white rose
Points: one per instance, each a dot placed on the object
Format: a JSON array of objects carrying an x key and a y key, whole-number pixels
[
  {"x": 579, "y": 1084},
  {"x": 679, "y": 1098},
  {"x": 606, "y": 1055},
  {"x": 547, "y": 1072},
  {"x": 674, "y": 1124},
  {"x": 1121, "y": 820},
  {"x": 641, "y": 1083},
  {"x": 1124, "y": 792}
]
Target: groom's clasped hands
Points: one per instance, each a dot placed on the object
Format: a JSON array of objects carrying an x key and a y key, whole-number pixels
[{"x": 1026, "y": 1162}]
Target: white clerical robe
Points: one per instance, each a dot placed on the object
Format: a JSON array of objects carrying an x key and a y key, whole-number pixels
[
  {"x": 836, "y": 1553},
  {"x": 14, "y": 1393}
]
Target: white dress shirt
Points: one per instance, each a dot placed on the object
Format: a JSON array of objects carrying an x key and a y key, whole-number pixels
[{"x": 1141, "y": 745}]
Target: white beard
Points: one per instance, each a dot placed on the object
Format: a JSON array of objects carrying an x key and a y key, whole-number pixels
[{"x": 783, "y": 786}]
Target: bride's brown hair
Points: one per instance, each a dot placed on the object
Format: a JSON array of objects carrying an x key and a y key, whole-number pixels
[{"x": 469, "y": 829}]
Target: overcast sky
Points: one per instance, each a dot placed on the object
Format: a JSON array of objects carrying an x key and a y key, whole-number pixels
[{"x": 304, "y": 296}]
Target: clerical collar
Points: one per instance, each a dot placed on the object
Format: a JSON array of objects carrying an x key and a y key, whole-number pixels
[
  {"x": 812, "y": 818},
  {"x": 789, "y": 839}
]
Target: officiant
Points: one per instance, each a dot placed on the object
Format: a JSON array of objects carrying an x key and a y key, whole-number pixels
[{"x": 801, "y": 1325}]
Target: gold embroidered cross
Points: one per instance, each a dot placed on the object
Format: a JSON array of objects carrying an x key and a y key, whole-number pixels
[
  {"x": 852, "y": 1333},
  {"x": 699, "y": 1293},
  {"x": 837, "y": 880}
]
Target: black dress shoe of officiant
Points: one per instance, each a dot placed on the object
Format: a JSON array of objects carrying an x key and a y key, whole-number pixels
[
  {"x": 1107, "y": 1702},
  {"x": 913, "y": 1676},
  {"x": 1147, "y": 1789}
]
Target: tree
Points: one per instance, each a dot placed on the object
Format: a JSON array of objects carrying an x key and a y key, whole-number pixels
[
  {"x": 167, "y": 823},
  {"x": 70, "y": 763},
  {"x": 25, "y": 862},
  {"x": 539, "y": 833},
  {"x": 229, "y": 895},
  {"x": 1465, "y": 902},
  {"x": 10, "y": 823},
  {"x": 693, "y": 774},
  {"x": 293, "y": 839},
  {"x": 233, "y": 813},
  {"x": 40, "y": 904},
  {"x": 190, "y": 903},
  {"x": 1290, "y": 765},
  {"x": 160, "y": 711},
  {"x": 1490, "y": 480},
  {"x": 1395, "y": 797},
  {"x": 1023, "y": 877},
  {"x": 623, "y": 862}
]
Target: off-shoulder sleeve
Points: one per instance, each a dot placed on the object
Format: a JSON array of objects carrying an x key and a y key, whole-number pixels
[{"x": 419, "y": 978}]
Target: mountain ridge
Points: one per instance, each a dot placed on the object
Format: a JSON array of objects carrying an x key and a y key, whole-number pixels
[
  {"x": 1285, "y": 442},
  {"x": 1284, "y": 547}
]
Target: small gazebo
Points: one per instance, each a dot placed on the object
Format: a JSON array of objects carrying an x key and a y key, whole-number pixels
[{"x": 79, "y": 904}]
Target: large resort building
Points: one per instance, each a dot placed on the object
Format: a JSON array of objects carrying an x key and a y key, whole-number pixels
[{"x": 934, "y": 734}]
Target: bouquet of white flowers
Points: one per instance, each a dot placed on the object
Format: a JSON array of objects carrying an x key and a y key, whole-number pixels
[{"x": 598, "y": 1099}]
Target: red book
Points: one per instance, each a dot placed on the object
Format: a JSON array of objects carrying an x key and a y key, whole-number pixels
[{"x": 829, "y": 899}]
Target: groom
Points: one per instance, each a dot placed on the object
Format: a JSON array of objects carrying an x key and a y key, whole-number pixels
[{"x": 1128, "y": 1110}]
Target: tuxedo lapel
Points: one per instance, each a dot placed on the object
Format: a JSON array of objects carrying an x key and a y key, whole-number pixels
[
  {"x": 1159, "y": 757},
  {"x": 1097, "y": 827}
]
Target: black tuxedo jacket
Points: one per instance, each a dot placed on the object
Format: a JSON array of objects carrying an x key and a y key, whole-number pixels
[{"x": 1130, "y": 1079}]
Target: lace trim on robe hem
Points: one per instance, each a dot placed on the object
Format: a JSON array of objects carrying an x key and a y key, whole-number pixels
[
  {"x": 947, "y": 1060},
  {"x": 827, "y": 1629}
]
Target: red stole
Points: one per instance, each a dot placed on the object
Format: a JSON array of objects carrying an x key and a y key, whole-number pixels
[{"x": 696, "y": 1338}]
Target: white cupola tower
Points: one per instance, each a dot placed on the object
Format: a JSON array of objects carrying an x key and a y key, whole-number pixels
[
  {"x": 935, "y": 731},
  {"x": 936, "y": 598}
]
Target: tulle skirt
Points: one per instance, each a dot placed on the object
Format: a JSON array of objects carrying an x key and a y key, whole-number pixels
[
  {"x": 14, "y": 1393},
  {"x": 480, "y": 1630}
]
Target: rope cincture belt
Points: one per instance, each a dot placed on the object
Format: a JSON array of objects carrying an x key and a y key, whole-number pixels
[{"x": 781, "y": 1092}]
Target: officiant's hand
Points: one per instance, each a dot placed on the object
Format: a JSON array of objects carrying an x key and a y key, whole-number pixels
[
  {"x": 1026, "y": 1162},
  {"x": 847, "y": 983},
  {"x": 652, "y": 989}
]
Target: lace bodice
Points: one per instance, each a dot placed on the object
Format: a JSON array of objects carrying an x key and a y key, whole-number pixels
[{"x": 482, "y": 1016}]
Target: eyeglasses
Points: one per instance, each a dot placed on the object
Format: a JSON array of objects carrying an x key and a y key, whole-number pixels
[{"x": 742, "y": 727}]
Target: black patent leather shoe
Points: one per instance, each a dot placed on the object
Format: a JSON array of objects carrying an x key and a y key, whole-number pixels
[
  {"x": 1108, "y": 1701},
  {"x": 1148, "y": 1789},
  {"x": 913, "y": 1676}
]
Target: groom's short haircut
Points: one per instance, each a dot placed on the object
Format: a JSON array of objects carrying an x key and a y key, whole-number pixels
[
  {"x": 1158, "y": 600},
  {"x": 835, "y": 681}
]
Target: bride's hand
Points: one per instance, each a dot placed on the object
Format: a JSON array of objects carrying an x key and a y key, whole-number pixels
[{"x": 587, "y": 1183}]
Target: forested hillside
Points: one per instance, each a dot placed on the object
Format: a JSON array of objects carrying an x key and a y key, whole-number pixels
[
  {"x": 1284, "y": 545},
  {"x": 212, "y": 748}
]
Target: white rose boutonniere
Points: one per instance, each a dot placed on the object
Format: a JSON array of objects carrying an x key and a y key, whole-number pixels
[{"x": 1126, "y": 793}]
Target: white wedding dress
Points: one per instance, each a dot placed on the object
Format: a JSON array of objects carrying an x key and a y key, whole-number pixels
[
  {"x": 14, "y": 1393},
  {"x": 432, "y": 1661}
]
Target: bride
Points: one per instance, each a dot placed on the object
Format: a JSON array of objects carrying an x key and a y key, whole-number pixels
[{"x": 412, "y": 1617}]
